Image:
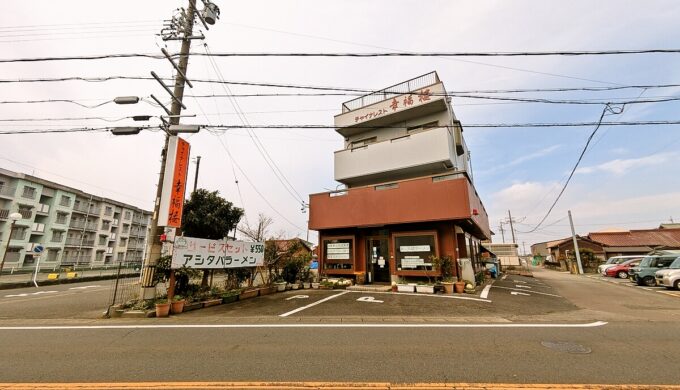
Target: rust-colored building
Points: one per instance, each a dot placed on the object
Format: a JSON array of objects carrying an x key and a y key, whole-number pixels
[{"x": 408, "y": 193}]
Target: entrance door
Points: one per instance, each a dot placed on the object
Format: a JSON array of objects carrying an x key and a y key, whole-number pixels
[{"x": 378, "y": 260}]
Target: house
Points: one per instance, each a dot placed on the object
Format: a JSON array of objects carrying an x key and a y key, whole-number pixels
[{"x": 409, "y": 192}]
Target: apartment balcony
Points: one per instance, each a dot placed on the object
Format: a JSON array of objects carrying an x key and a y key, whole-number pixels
[
  {"x": 112, "y": 237},
  {"x": 109, "y": 251},
  {"x": 26, "y": 214},
  {"x": 7, "y": 192},
  {"x": 18, "y": 235},
  {"x": 4, "y": 213},
  {"x": 12, "y": 257},
  {"x": 114, "y": 222},
  {"x": 82, "y": 259},
  {"x": 81, "y": 225},
  {"x": 421, "y": 153},
  {"x": 47, "y": 192},
  {"x": 30, "y": 245},
  {"x": 86, "y": 209},
  {"x": 79, "y": 242},
  {"x": 414, "y": 98},
  {"x": 42, "y": 209},
  {"x": 38, "y": 228},
  {"x": 425, "y": 199}
]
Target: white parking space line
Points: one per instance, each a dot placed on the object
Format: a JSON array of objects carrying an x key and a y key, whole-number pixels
[
  {"x": 312, "y": 304},
  {"x": 315, "y": 325},
  {"x": 533, "y": 292},
  {"x": 426, "y": 295},
  {"x": 485, "y": 292}
]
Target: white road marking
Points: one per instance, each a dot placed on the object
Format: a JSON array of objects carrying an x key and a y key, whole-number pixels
[
  {"x": 504, "y": 276},
  {"x": 298, "y": 297},
  {"x": 522, "y": 286},
  {"x": 427, "y": 295},
  {"x": 82, "y": 288},
  {"x": 312, "y": 304},
  {"x": 485, "y": 292},
  {"x": 10, "y": 301},
  {"x": 369, "y": 299},
  {"x": 519, "y": 293},
  {"x": 533, "y": 292},
  {"x": 27, "y": 294},
  {"x": 316, "y": 325}
]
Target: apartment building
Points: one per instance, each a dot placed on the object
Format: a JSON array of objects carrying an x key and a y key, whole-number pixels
[
  {"x": 409, "y": 193},
  {"x": 74, "y": 227}
]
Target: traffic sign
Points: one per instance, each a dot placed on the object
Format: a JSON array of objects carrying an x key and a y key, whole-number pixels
[{"x": 38, "y": 249}]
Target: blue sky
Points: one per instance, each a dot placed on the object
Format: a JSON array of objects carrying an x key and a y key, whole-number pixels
[{"x": 628, "y": 178}]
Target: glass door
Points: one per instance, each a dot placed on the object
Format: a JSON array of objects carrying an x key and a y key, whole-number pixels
[{"x": 378, "y": 260}]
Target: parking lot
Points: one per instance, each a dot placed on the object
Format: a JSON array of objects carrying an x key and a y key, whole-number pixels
[
  {"x": 501, "y": 300},
  {"x": 628, "y": 283}
]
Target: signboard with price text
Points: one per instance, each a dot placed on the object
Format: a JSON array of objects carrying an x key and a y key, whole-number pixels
[{"x": 202, "y": 253}]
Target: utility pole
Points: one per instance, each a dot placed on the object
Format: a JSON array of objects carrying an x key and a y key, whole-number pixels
[
  {"x": 573, "y": 236},
  {"x": 524, "y": 248},
  {"x": 154, "y": 245},
  {"x": 500, "y": 227},
  {"x": 512, "y": 229},
  {"x": 198, "y": 164}
]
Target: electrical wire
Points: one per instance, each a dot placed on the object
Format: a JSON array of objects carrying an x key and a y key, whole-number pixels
[
  {"x": 570, "y": 53},
  {"x": 605, "y": 110}
]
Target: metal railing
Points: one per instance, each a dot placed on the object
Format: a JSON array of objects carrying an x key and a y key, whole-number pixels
[
  {"x": 26, "y": 214},
  {"x": 18, "y": 235},
  {"x": 83, "y": 225},
  {"x": 7, "y": 191},
  {"x": 4, "y": 213},
  {"x": 79, "y": 242},
  {"x": 86, "y": 209},
  {"x": 390, "y": 92}
]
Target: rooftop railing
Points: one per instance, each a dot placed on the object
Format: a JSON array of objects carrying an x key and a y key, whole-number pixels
[{"x": 390, "y": 92}]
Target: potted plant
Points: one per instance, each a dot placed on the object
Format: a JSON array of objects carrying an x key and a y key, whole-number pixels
[
  {"x": 459, "y": 287},
  {"x": 162, "y": 307},
  {"x": 230, "y": 296},
  {"x": 177, "y": 305},
  {"x": 402, "y": 286},
  {"x": 445, "y": 266},
  {"x": 280, "y": 284},
  {"x": 247, "y": 293}
]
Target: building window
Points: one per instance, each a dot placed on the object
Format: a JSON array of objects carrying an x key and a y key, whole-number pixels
[
  {"x": 108, "y": 210},
  {"x": 102, "y": 240},
  {"x": 126, "y": 228},
  {"x": 61, "y": 218},
  {"x": 65, "y": 201},
  {"x": 57, "y": 236},
  {"x": 338, "y": 254},
  {"x": 127, "y": 215},
  {"x": 120, "y": 256},
  {"x": 52, "y": 254},
  {"x": 29, "y": 192},
  {"x": 428, "y": 125},
  {"x": 363, "y": 142},
  {"x": 415, "y": 252},
  {"x": 106, "y": 225}
]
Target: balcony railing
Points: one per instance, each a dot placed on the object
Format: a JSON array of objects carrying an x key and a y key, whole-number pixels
[
  {"x": 390, "y": 92},
  {"x": 86, "y": 209},
  {"x": 4, "y": 213},
  {"x": 7, "y": 191},
  {"x": 26, "y": 214},
  {"x": 82, "y": 259},
  {"x": 12, "y": 257},
  {"x": 79, "y": 242},
  {"x": 42, "y": 209},
  {"x": 83, "y": 225},
  {"x": 18, "y": 235}
]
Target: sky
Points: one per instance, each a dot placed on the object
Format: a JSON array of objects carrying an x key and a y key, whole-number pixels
[{"x": 628, "y": 178}]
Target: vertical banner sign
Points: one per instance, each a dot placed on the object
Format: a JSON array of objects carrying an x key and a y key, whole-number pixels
[{"x": 174, "y": 185}]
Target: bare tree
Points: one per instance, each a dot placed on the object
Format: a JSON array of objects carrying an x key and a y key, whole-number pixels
[{"x": 257, "y": 233}]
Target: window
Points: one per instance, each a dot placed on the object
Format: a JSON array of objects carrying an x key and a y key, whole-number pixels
[
  {"x": 65, "y": 201},
  {"x": 52, "y": 254},
  {"x": 363, "y": 142},
  {"x": 29, "y": 192},
  {"x": 126, "y": 228},
  {"x": 338, "y": 253},
  {"x": 106, "y": 225},
  {"x": 108, "y": 210},
  {"x": 120, "y": 256},
  {"x": 57, "y": 236},
  {"x": 127, "y": 215},
  {"x": 414, "y": 252},
  {"x": 428, "y": 125},
  {"x": 102, "y": 240}
]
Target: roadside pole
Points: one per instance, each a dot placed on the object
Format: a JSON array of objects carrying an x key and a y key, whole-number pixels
[{"x": 573, "y": 237}]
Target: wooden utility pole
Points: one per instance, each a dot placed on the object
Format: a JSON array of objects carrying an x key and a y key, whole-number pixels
[
  {"x": 198, "y": 164},
  {"x": 500, "y": 227},
  {"x": 512, "y": 229},
  {"x": 573, "y": 237}
]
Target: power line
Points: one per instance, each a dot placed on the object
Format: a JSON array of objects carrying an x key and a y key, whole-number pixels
[
  {"x": 570, "y": 53},
  {"x": 606, "y": 109}
]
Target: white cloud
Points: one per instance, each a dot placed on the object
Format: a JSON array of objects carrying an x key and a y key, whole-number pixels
[{"x": 621, "y": 166}]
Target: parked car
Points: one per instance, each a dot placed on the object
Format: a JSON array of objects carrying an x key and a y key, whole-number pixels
[
  {"x": 614, "y": 261},
  {"x": 621, "y": 270},
  {"x": 669, "y": 277},
  {"x": 644, "y": 273}
]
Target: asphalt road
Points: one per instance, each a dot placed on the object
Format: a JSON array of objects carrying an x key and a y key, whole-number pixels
[{"x": 556, "y": 328}]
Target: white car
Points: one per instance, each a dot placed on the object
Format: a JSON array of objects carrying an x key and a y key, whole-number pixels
[
  {"x": 612, "y": 261},
  {"x": 669, "y": 277}
]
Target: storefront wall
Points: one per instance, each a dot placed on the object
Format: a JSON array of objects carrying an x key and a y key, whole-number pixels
[{"x": 358, "y": 253}]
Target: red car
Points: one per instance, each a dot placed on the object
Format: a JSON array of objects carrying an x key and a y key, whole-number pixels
[{"x": 621, "y": 270}]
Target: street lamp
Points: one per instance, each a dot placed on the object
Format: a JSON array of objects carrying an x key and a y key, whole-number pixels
[{"x": 14, "y": 217}]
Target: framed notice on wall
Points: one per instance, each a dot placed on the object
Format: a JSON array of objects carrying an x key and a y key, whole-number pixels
[{"x": 338, "y": 253}]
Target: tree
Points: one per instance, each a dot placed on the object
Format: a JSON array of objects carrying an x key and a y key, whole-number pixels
[
  {"x": 257, "y": 233},
  {"x": 207, "y": 215}
]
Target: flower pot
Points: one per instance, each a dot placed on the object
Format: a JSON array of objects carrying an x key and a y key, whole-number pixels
[
  {"x": 448, "y": 287},
  {"x": 280, "y": 286},
  {"x": 405, "y": 288},
  {"x": 294, "y": 286},
  {"x": 229, "y": 298},
  {"x": 315, "y": 285},
  {"x": 162, "y": 309},
  {"x": 425, "y": 289},
  {"x": 212, "y": 302},
  {"x": 265, "y": 291},
  {"x": 459, "y": 287},
  {"x": 177, "y": 307},
  {"x": 247, "y": 294}
]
